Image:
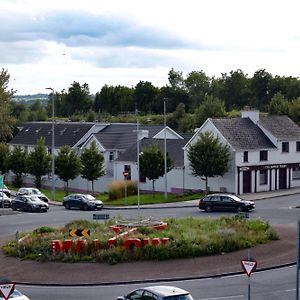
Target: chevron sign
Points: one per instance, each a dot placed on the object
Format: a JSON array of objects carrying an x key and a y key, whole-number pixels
[{"x": 79, "y": 232}]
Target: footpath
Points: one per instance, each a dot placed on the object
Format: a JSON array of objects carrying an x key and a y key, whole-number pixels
[{"x": 276, "y": 254}]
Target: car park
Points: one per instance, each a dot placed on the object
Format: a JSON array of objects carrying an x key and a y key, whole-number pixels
[
  {"x": 29, "y": 203},
  {"x": 82, "y": 201},
  {"x": 225, "y": 202},
  {"x": 160, "y": 292},
  {"x": 4, "y": 199},
  {"x": 33, "y": 191}
]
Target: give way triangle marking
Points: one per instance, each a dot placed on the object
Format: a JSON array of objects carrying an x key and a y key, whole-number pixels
[
  {"x": 6, "y": 289},
  {"x": 249, "y": 266}
]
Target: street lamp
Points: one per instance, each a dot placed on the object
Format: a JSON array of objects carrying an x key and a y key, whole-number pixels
[
  {"x": 52, "y": 147},
  {"x": 165, "y": 141}
]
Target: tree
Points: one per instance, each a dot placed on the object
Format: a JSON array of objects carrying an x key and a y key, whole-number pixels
[
  {"x": 294, "y": 111},
  {"x": 39, "y": 162},
  {"x": 4, "y": 156},
  {"x": 92, "y": 164},
  {"x": 152, "y": 164},
  {"x": 77, "y": 99},
  {"x": 7, "y": 122},
  {"x": 17, "y": 164},
  {"x": 208, "y": 157},
  {"x": 144, "y": 95},
  {"x": 278, "y": 105},
  {"x": 211, "y": 107},
  {"x": 67, "y": 165}
]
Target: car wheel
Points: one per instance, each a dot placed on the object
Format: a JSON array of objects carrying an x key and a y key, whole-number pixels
[
  {"x": 29, "y": 208},
  {"x": 67, "y": 206},
  {"x": 13, "y": 207},
  {"x": 208, "y": 208},
  {"x": 85, "y": 207},
  {"x": 240, "y": 209}
]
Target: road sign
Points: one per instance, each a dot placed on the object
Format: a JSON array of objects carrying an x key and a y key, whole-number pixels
[
  {"x": 1, "y": 181},
  {"x": 100, "y": 216},
  {"x": 79, "y": 232},
  {"x": 6, "y": 289},
  {"x": 125, "y": 173},
  {"x": 249, "y": 266}
]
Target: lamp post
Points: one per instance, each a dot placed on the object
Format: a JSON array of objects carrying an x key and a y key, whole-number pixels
[
  {"x": 52, "y": 147},
  {"x": 165, "y": 144},
  {"x": 138, "y": 160}
]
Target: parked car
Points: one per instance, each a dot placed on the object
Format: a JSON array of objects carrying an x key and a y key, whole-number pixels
[
  {"x": 158, "y": 293},
  {"x": 33, "y": 191},
  {"x": 4, "y": 199},
  {"x": 82, "y": 201},
  {"x": 29, "y": 203},
  {"x": 6, "y": 191},
  {"x": 16, "y": 295},
  {"x": 225, "y": 202}
]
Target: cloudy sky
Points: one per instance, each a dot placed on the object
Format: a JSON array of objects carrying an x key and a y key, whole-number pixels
[{"x": 51, "y": 43}]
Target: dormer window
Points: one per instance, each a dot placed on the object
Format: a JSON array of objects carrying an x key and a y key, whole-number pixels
[
  {"x": 111, "y": 156},
  {"x": 285, "y": 147}
]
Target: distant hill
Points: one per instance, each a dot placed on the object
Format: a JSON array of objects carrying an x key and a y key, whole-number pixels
[{"x": 31, "y": 98}]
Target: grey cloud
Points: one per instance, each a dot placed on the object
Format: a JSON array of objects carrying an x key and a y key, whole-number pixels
[{"x": 79, "y": 28}]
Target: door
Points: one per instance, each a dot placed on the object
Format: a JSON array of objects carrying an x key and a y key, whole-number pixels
[
  {"x": 282, "y": 179},
  {"x": 247, "y": 182}
]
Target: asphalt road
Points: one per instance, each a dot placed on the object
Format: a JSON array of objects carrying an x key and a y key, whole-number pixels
[{"x": 276, "y": 284}]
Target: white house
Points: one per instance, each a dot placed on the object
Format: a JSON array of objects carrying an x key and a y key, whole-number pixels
[{"x": 265, "y": 153}]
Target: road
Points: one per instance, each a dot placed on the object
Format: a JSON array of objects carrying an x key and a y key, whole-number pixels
[{"x": 276, "y": 284}]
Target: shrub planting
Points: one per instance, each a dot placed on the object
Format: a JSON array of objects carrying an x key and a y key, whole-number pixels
[
  {"x": 117, "y": 189},
  {"x": 183, "y": 238}
]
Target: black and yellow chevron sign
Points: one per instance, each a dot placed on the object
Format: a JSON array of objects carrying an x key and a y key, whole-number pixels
[{"x": 79, "y": 232}]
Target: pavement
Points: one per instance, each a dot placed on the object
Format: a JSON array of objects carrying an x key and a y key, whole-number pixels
[{"x": 275, "y": 254}]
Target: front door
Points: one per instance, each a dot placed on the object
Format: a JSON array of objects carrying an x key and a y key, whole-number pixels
[
  {"x": 282, "y": 179},
  {"x": 247, "y": 182}
]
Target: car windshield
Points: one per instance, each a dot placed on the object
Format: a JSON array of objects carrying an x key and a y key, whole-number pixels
[
  {"x": 179, "y": 297},
  {"x": 34, "y": 199},
  {"x": 89, "y": 197},
  {"x": 35, "y": 191},
  {"x": 236, "y": 198}
]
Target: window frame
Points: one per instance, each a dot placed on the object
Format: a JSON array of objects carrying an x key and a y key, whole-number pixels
[
  {"x": 285, "y": 147},
  {"x": 263, "y": 177},
  {"x": 246, "y": 156}
]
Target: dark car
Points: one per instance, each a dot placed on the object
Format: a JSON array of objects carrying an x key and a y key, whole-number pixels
[
  {"x": 82, "y": 201},
  {"x": 222, "y": 202},
  {"x": 29, "y": 203}
]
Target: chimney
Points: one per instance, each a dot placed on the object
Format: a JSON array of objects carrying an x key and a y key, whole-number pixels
[{"x": 253, "y": 115}]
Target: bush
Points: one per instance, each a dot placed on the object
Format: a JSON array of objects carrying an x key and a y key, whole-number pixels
[{"x": 117, "y": 189}]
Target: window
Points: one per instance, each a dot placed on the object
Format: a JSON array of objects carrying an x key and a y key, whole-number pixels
[
  {"x": 296, "y": 173},
  {"x": 285, "y": 147},
  {"x": 298, "y": 146},
  {"x": 245, "y": 156},
  {"x": 263, "y": 177},
  {"x": 263, "y": 155},
  {"x": 111, "y": 156}
]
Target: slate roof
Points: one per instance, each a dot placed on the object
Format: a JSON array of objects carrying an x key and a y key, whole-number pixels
[
  {"x": 66, "y": 133},
  {"x": 242, "y": 133},
  {"x": 282, "y": 127},
  {"x": 174, "y": 149},
  {"x": 123, "y": 135}
]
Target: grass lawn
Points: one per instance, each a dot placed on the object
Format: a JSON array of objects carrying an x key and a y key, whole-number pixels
[{"x": 131, "y": 200}]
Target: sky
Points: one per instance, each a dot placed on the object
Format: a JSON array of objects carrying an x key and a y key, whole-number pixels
[{"x": 52, "y": 43}]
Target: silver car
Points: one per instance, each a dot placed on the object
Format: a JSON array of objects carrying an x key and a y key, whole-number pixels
[
  {"x": 160, "y": 292},
  {"x": 33, "y": 191}
]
